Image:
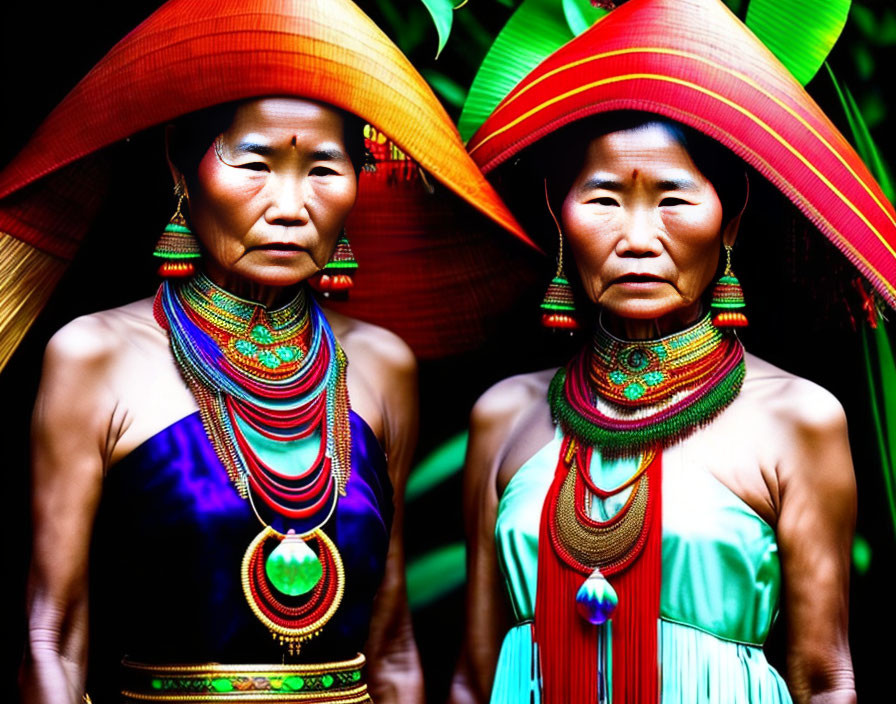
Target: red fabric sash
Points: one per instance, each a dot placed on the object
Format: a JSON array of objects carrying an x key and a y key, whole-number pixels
[{"x": 568, "y": 644}]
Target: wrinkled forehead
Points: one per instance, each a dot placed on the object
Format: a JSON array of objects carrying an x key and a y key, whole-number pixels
[
  {"x": 651, "y": 146},
  {"x": 285, "y": 119}
]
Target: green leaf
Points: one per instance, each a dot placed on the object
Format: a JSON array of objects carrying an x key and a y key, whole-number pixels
[
  {"x": 442, "y": 12},
  {"x": 735, "y": 6},
  {"x": 440, "y": 464},
  {"x": 447, "y": 88},
  {"x": 882, "y": 396},
  {"x": 533, "y": 32},
  {"x": 880, "y": 31},
  {"x": 862, "y": 139},
  {"x": 581, "y": 14},
  {"x": 887, "y": 375},
  {"x": 863, "y": 59},
  {"x": 880, "y": 365},
  {"x": 861, "y": 554},
  {"x": 801, "y": 33},
  {"x": 436, "y": 574},
  {"x": 874, "y": 109}
]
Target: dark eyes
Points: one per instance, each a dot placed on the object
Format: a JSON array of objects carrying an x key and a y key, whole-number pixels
[
  {"x": 254, "y": 166},
  {"x": 260, "y": 166},
  {"x": 610, "y": 202}
]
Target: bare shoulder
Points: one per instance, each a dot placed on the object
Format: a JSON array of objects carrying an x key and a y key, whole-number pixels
[
  {"x": 802, "y": 405},
  {"x": 372, "y": 346},
  {"x": 93, "y": 341},
  {"x": 382, "y": 378},
  {"x": 503, "y": 404},
  {"x": 509, "y": 423},
  {"x": 806, "y": 425}
]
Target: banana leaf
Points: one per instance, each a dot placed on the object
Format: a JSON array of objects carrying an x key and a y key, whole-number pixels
[
  {"x": 533, "y": 32},
  {"x": 435, "y": 574},
  {"x": 864, "y": 143},
  {"x": 445, "y": 87},
  {"x": 880, "y": 367},
  {"x": 440, "y": 464},
  {"x": 801, "y": 33},
  {"x": 442, "y": 13},
  {"x": 580, "y": 15}
]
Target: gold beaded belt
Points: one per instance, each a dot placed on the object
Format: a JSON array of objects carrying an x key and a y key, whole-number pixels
[{"x": 316, "y": 683}]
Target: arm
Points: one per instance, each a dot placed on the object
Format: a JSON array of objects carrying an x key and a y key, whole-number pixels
[
  {"x": 815, "y": 529},
  {"x": 68, "y": 451},
  {"x": 395, "y": 671},
  {"x": 486, "y": 614}
]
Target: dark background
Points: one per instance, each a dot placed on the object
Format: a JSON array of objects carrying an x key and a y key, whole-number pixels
[{"x": 797, "y": 287}]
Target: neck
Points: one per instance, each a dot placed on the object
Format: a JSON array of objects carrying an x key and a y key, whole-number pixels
[
  {"x": 650, "y": 328},
  {"x": 269, "y": 297}
]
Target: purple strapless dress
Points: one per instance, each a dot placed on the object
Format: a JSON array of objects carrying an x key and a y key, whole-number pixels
[{"x": 169, "y": 541}]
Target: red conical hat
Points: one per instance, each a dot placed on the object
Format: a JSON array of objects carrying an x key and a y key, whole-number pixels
[
  {"x": 189, "y": 55},
  {"x": 695, "y": 62}
]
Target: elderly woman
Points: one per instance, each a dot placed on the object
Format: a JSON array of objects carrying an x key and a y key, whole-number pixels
[
  {"x": 647, "y": 504},
  {"x": 232, "y": 484}
]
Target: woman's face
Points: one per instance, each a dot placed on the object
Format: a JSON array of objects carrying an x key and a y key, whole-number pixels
[
  {"x": 272, "y": 193},
  {"x": 644, "y": 226}
]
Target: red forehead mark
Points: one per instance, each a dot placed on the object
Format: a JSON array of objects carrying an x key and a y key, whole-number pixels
[{"x": 634, "y": 174}]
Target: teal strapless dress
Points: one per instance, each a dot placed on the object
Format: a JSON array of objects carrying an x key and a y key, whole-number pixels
[{"x": 721, "y": 581}]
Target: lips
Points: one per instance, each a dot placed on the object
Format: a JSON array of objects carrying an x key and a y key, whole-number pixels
[
  {"x": 279, "y": 247},
  {"x": 638, "y": 279}
]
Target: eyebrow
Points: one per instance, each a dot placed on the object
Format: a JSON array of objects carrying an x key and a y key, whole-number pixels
[
  {"x": 601, "y": 182},
  {"x": 677, "y": 184},
  {"x": 609, "y": 184},
  {"x": 254, "y": 148},
  {"x": 328, "y": 155},
  {"x": 267, "y": 150}
]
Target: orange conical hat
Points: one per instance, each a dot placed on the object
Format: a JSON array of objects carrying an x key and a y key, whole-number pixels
[
  {"x": 695, "y": 62},
  {"x": 189, "y": 55}
]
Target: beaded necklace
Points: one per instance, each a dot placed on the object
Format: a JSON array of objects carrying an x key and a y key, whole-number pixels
[
  {"x": 650, "y": 391},
  {"x": 271, "y": 390},
  {"x": 624, "y": 399}
]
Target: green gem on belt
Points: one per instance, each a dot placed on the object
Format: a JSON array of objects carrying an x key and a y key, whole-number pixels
[
  {"x": 292, "y": 567},
  {"x": 293, "y": 684}
]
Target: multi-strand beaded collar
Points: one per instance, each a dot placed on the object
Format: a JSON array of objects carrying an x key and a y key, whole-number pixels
[
  {"x": 271, "y": 390},
  {"x": 626, "y": 395},
  {"x": 627, "y": 399}
]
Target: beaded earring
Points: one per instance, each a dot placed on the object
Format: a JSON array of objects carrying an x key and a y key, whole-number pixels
[
  {"x": 336, "y": 278},
  {"x": 728, "y": 298},
  {"x": 558, "y": 306},
  {"x": 177, "y": 246}
]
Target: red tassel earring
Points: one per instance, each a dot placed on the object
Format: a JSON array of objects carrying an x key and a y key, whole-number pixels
[
  {"x": 177, "y": 247},
  {"x": 728, "y": 298},
  {"x": 558, "y": 307},
  {"x": 336, "y": 278}
]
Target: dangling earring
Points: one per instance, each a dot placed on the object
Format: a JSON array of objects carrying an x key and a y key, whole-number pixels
[
  {"x": 728, "y": 298},
  {"x": 558, "y": 307},
  {"x": 336, "y": 278},
  {"x": 177, "y": 246}
]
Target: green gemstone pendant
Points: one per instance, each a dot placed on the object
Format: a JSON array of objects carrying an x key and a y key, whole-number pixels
[{"x": 292, "y": 567}]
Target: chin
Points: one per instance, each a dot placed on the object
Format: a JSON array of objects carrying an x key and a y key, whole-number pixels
[
  {"x": 279, "y": 278},
  {"x": 642, "y": 308}
]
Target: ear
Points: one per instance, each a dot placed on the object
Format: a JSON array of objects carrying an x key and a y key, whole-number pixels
[
  {"x": 729, "y": 233},
  {"x": 176, "y": 174}
]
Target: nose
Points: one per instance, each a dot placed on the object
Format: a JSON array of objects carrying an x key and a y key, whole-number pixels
[
  {"x": 641, "y": 236},
  {"x": 287, "y": 204}
]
